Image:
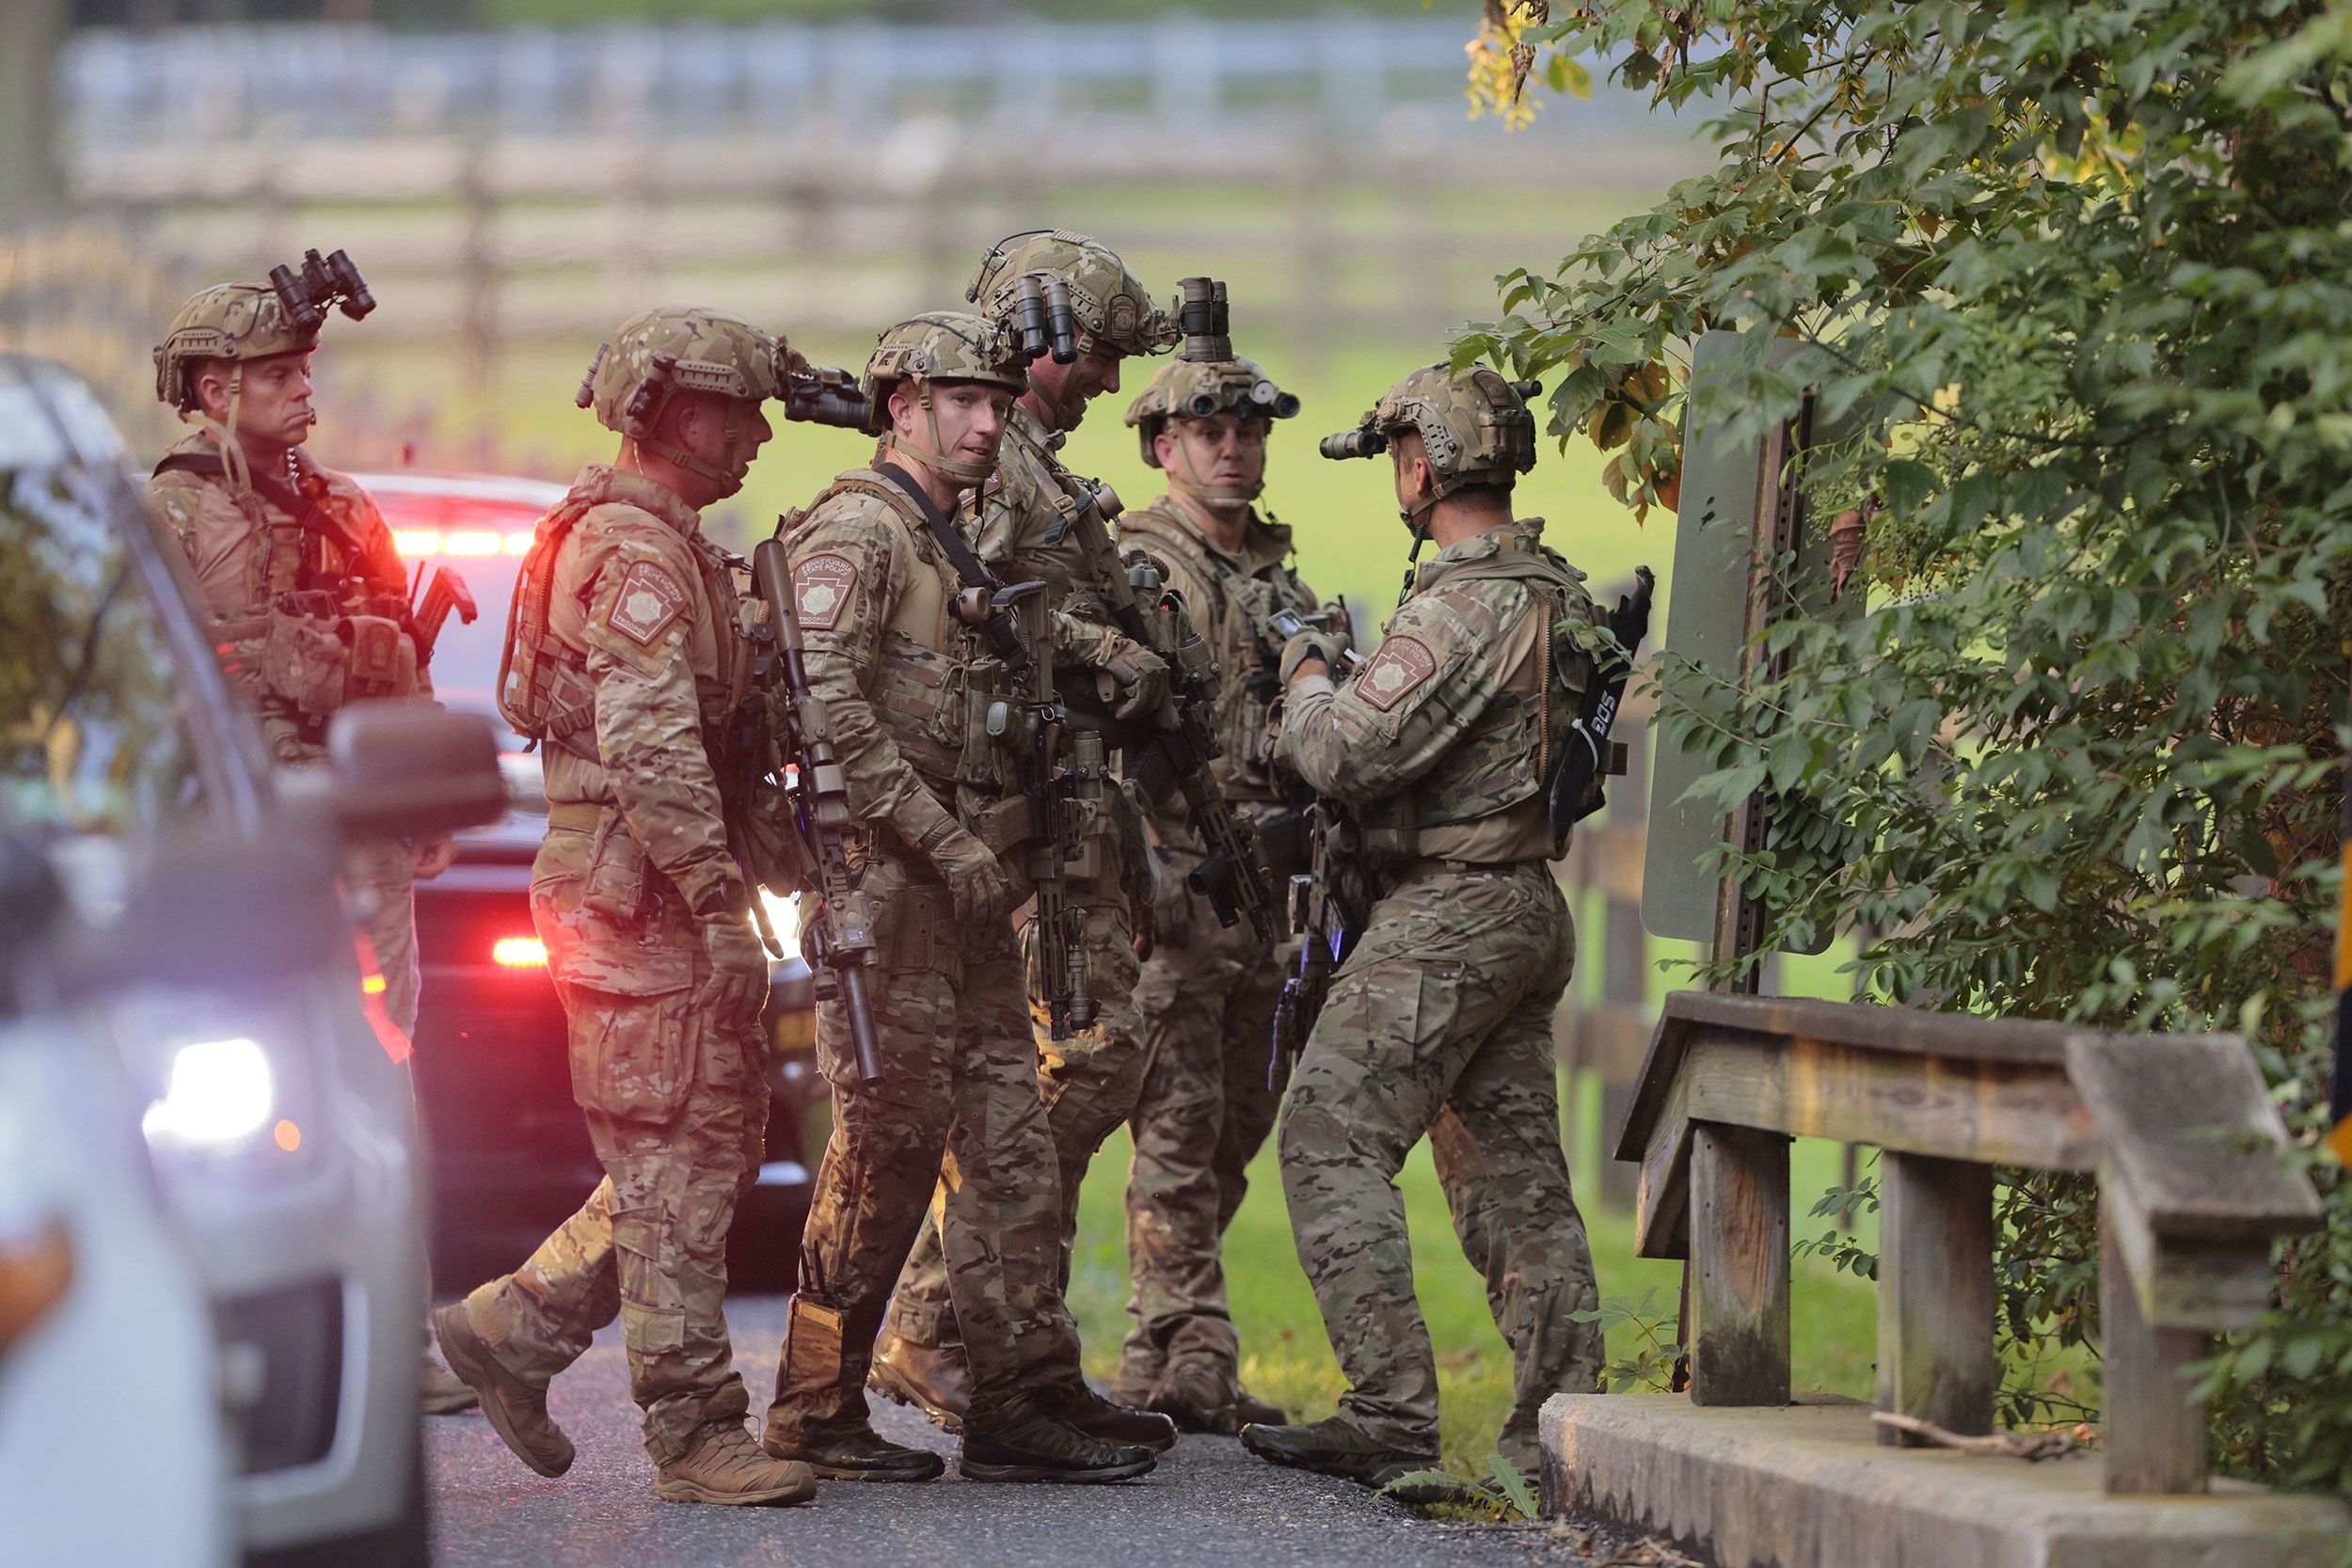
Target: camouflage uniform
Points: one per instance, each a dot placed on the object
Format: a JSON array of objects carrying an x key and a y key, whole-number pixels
[
  {"x": 635, "y": 857},
  {"x": 1204, "y": 1006},
  {"x": 1440, "y": 1021},
  {"x": 625, "y": 656},
  {"x": 907, "y": 688},
  {"x": 252, "y": 556},
  {"x": 1026, "y": 529}
]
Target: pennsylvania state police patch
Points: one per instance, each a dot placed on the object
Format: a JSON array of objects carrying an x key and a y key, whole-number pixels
[
  {"x": 820, "y": 590},
  {"x": 1401, "y": 664},
  {"x": 649, "y": 599}
]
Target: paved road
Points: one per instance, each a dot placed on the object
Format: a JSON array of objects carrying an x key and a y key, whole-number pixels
[{"x": 1209, "y": 1504}]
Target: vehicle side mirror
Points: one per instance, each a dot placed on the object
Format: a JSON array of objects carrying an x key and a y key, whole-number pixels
[
  {"x": 206, "y": 915},
  {"x": 409, "y": 770}
]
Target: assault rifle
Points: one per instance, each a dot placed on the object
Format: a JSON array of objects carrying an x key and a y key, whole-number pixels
[
  {"x": 1175, "y": 751},
  {"x": 1329, "y": 906},
  {"x": 837, "y": 919},
  {"x": 1061, "y": 771}
]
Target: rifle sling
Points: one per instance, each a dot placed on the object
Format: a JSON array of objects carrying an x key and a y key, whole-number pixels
[
  {"x": 961, "y": 555},
  {"x": 308, "y": 515}
]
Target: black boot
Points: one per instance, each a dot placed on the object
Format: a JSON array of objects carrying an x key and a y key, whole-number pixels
[
  {"x": 1334, "y": 1447},
  {"x": 1249, "y": 1409},
  {"x": 856, "y": 1453},
  {"x": 1079, "y": 1406},
  {"x": 1197, "y": 1395},
  {"x": 1035, "y": 1445}
]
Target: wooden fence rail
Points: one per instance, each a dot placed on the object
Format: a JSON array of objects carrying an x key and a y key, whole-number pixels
[{"x": 2179, "y": 1129}]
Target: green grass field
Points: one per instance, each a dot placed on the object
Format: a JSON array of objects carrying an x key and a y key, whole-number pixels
[{"x": 1286, "y": 1358}]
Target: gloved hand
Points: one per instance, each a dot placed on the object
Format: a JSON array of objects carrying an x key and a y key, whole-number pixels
[
  {"x": 737, "y": 991},
  {"x": 983, "y": 889},
  {"x": 1308, "y": 645},
  {"x": 1142, "y": 680},
  {"x": 1171, "y": 908}
]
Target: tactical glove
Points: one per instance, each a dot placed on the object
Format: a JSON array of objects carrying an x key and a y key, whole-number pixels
[
  {"x": 1310, "y": 645},
  {"x": 1142, "y": 680},
  {"x": 737, "y": 991},
  {"x": 982, "y": 889}
]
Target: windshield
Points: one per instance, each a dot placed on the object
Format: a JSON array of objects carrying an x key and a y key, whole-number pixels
[{"x": 89, "y": 717}]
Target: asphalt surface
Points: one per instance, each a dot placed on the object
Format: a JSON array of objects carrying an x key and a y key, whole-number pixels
[{"x": 1209, "y": 1504}]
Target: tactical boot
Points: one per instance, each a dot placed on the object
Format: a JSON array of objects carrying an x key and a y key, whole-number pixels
[
  {"x": 438, "y": 1390},
  {"x": 1198, "y": 1396},
  {"x": 1036, "y": 1446},
  {"x": 1131, "y": 1383},
  {"x": 1334, "y": 1447},
  {"x": 721, "y": 1464},
  {"x": 1249, "y": 1410},
  {"x": 857, "y": 1453},
  {"x": 934, "y": 1379},
  {"x": 1080, "y": 1406},
  {"x": 516, "y": 1410}
]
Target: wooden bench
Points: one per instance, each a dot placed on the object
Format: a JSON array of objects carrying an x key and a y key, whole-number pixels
[{"x": 2179, "y": 1129}]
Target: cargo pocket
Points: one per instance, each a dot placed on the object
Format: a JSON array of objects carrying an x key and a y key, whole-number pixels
[
  {"x": 305, "y": 664},
  {"x": 633, "y": 1057},
  {"x": 589, "y": 947}
]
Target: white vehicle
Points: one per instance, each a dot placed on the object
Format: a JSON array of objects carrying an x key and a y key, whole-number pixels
[{"x": 204, "y": 947}]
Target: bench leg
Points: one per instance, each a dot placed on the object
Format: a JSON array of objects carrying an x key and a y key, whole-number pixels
[
  {"x": 1739, "y": 1268},
  {"x": 1935, "y": 1294},
  {"x": 2154, "y": 1434}
]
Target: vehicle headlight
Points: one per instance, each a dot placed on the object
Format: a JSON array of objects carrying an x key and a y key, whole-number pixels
[{"x": 219, "y": 1095}]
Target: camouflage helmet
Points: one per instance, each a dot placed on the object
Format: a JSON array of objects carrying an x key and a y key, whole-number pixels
[
  {"x": 675, "y": 348},
  {"x": 1473, "y": 423},
  {"x": 940, "y": 346},
  {"x": 686, "y": 348},
  {"x": 1110, "y": 303},
  {"x": 1195, "y": 389},
  {"x": 237, "y": 322}
]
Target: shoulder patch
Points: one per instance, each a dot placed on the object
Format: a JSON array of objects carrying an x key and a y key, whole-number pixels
[
  {"x": 821, "y": 586},
  {"x": 1401, "y": 664},
  {"x": 649, "y": 599}
]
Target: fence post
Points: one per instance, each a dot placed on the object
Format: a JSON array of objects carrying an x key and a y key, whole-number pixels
[
  {"x": 1935, "y": 1294},
  {"x": 1739, "y": 1269}
]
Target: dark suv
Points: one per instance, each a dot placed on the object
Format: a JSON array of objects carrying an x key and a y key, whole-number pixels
[{"x": 510, "y": 1153}]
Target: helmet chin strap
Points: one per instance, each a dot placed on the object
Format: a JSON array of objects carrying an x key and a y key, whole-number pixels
[
  {"x": 233, "y": 463},
  {"x": 1189, "y": 482},
  {"x": 726, "y": 472},
  {"x": 935, "y": 456}
]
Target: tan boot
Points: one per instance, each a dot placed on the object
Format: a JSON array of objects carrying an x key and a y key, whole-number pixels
[
  {"x": 516, "y": 1410},
  {"x": 723, "y": 1464},
  {"x": 438, "y": 1390},
  {"x": 934, "y": 1379}
]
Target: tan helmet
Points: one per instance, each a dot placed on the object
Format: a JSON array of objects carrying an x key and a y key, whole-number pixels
[
  {"x": 1104, "y": 299},
  {"x": 1473, "y": 423},
  {"x": 684, "y": 348},
  {"x": 236, "y": 321},
  {"x": 1196, "y": 389},
  {"x": 940, "y": 346}
]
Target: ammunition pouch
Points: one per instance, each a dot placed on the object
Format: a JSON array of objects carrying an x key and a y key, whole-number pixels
[
  {"x": 615, "y": 884},
  {"x": 314, "y": 659},
  {"x": 920, "y": 934}
]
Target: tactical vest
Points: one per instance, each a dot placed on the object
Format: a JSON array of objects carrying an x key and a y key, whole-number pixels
[
  {"x": 1246, "y": 661},
  {"x": 322, "y": 623},
  {"x": 934, "y": 681},
  {"x": 544, "y": 688},
  {"x": 1483, "y": 802}
]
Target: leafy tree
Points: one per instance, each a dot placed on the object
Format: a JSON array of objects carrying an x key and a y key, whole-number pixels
[{"x": 2083, "y": 268}]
